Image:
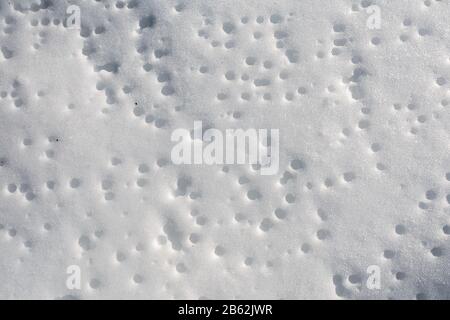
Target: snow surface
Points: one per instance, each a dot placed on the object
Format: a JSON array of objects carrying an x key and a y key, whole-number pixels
[{"x": 86, "y": 177}]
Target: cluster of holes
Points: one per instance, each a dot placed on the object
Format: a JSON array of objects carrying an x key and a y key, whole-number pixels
[
  {"x": 17, "y": 93},
  {"x": 292, "y": 55}
]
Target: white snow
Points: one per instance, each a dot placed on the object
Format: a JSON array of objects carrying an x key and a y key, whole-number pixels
[{"x": 359, "y": 91}]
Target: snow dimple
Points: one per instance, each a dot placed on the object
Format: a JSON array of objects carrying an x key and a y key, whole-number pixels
[
  {"x": 87, "y": 180},
  {"x": 7, "y": 53}
]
